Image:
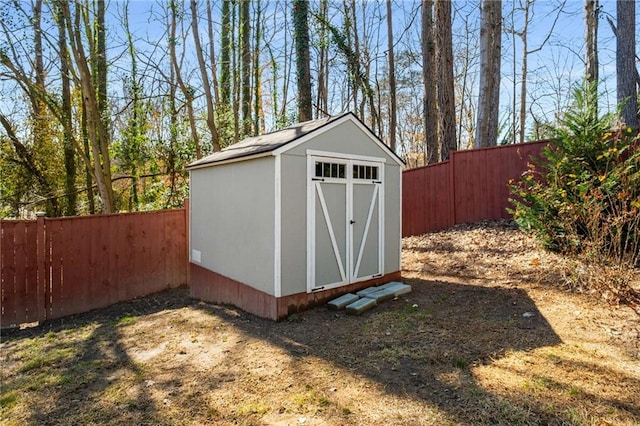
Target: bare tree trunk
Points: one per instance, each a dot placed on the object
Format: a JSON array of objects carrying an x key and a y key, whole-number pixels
[
  {"x": 100, "y": 72},
  {"x": 206, "y": 87},
  {"x": 186, "y": 90},
  {"x": 132, "y": 138},
  {"x": 225, "y": 56},
  {"x": 96, "y": 126},
  {"x": 40, "y": 127},
  {"x": 258, "y": 128},
  {"x": 489, "y": 88},
  {"x": 235, "y": 73},
  {"x": 245, "y": 41},
  {"x": 392, "y": 80},
  {"x": 625, "y": 62},
  {"x": 429, "y": 79},
  {"x": 173, "y": 119},
  {"x": 466, "y": 105},
  {"x": 212, "y": 55},
  {"x": 523, "y": 73},
  {"x": 323, "y": 62},
  {"x": 352, "y": 44},
  {"x": 88, "y": 175},
  {"x": 281, "y": 115},
  {"x": 66, "y": 114},
  {"x": 303, "y": 70},
  {"x": 591, "y": 40},
  {"x": 446, "y": 97}
]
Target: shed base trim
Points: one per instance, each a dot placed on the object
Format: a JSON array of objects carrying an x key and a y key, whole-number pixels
[{"x": 212, "y": 287}]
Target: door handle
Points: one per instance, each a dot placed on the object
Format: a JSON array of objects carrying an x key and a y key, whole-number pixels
[{"x": 352, "y": 222}]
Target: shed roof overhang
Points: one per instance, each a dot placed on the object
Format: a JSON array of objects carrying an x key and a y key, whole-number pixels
[{"x": 279, "y": 142}]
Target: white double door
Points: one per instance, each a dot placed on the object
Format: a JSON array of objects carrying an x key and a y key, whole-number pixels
[{"x": 345, "y": 221}]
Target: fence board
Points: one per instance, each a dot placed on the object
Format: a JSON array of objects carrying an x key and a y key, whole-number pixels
[
  {"x": 7, "y": 276},
  {"x": 99, "y": 264},
  {"x": 408, "y": 220},
  {"x": 157, "y": 272},
  {"x": 54, "y": 237},
  {"x": 82, "y": 258},
  {"x": 126, "y": 257},
  {"x": 440, "y": 186},
  {"x": 136, "y": 246},
  {"x": 20, "y": 254},
  {"x": 111, "y": 241},
  {"x": 31, "y": 272},
  {"x": 68, "y": 274},
  {"x": 470, "y": 183},
  {"x": 176, "y": 243}
]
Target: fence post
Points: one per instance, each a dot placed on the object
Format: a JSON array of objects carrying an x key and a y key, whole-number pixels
[
  {"x": 41, "y": 257},
  {"x": 187, "y": 216},
  {"x": 452, "y": 187}
]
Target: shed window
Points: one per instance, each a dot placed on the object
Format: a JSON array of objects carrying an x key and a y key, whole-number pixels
[
  {"x": 365, "y": 172},
  {"x": 330, "y": 170}
]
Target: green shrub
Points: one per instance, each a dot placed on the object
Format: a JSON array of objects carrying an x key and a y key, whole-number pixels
[{"x": 582, "y": 196}]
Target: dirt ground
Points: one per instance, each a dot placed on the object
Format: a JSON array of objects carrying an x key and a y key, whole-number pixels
[{"x": 487, "y": 336}]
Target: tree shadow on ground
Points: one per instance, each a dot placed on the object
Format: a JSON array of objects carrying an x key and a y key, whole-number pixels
[
  {"x": 424, "y": 346},
  {"x": 89, "y": 378}
]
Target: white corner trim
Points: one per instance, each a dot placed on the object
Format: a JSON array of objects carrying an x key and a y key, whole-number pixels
[
  {"x": 277, "y": 227},
  {"x": 311, "y": 226},
  {"x": 400, "y": 222}
]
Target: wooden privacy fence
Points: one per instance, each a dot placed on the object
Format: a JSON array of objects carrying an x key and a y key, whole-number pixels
[
  {"x": 470, "y": 187},
  {"x": 57, "y": 267}
]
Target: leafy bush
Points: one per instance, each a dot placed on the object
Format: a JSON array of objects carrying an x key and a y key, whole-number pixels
[{"x": 582, "y": 196}]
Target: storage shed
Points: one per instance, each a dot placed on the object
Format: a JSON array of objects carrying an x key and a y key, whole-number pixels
[{"x": 290, "y": 219}]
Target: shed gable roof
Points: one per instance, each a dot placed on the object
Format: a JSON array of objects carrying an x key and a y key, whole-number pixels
[{"x": 265, "y": 144}]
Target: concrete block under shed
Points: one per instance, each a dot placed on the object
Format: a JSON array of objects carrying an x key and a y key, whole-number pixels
[
  {"x": 390, "y": 284},
  {"x": 365, "y": 291},
  {"x": 361, "y": 305},
  {"x": 397, "y": 288},
  {"x": 342, "y": 301},
  {"x": 381, "y": 295}
]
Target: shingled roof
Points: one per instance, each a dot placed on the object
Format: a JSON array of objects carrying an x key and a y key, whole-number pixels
[{"x": 264, "y": 143}]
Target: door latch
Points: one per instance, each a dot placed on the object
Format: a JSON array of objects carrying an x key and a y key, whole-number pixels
[{"x": 352, "y": 222}]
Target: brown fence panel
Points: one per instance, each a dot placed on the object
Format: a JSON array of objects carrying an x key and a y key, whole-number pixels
[
  {"x": 54, "y": 238},
  {"x": 426, "y": 199},
  {"x": 175, "y": 247},
  {"x": 100, "y": 260},
  {"x": 509, "y": 164},
  {"x": 18, "y": 272},
  {"x": 470, "y": 187},
  {"x": 57, "y": 267}
]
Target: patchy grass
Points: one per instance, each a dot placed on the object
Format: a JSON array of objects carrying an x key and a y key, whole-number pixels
[{"x": 457, "y": 350}]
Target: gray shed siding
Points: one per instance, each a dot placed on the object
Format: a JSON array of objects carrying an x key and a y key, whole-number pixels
[
  {"x": 294, "y": 224},
  {"x": 232, "y": 215},
  {"x": 346, "y": 138},
  {"x": 392, "y": 217}
]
